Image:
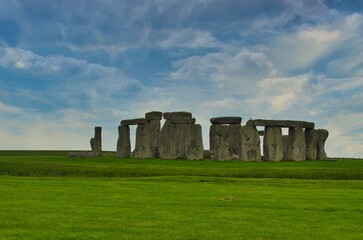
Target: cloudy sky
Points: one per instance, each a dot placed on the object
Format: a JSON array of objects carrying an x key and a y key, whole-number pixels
[{"x": 67, "y": 66}]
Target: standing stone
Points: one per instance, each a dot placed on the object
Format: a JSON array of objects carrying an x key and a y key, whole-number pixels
[
  {"x": 123, "y": 142},
  {"x": 322, "y": 135},
  {"x": 235, "y": 131},
  {"x": 143, "y": 145},
  {"x": 154, "y": 134},
  {"x": 168, "y": 141},
  {"x": 195, "y": 150},
  {"x": 250, "y": 144},
  {"x": 285, "y": 146},
  {"x": 183, "y": 135},
  {"x": 222, "y": 143},
  {"x": 311, "y": 136},
  {"x": 297, "y": 144},
  {"x": 212, "y": 133},
  {"x": 272, "y": 144},
  {"x": 96, "y": 142}
]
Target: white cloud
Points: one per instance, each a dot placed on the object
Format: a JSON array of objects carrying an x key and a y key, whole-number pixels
[
  {"x": 8, "y": 108},
  {"x": 235, "y": 71}
]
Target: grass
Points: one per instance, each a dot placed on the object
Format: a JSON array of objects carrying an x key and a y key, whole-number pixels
[
  {"x": 47, "y": 195},
  {"x": 50, "y": 163},
  {"x": 179, "y": 208}
]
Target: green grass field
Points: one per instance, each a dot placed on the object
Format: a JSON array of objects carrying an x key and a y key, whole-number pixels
[{"x": 46, "y": 195}]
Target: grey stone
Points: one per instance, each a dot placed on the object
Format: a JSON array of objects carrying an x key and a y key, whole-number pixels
[
  {"x": 226, "y": 120},
  {"x": 169, "y": 115},
  {"x": 155, "y": 115},
  {"x": 123, "y": 142},
  {"x": 285, "y": 147},
  {"x": 322, "y": 135},
  {"x": 212, "y": 133},
  {"x": 168, "y": 142},
  {"x": 261, "y": 133},
  {"x": 311, "y": 136},
  {"x": 182, "y": 120},
  {"x": 143, "y": 144},
  {"x": 235, "y": 131},
  {"x": 96, "y": 142},
  {"x": 136, "y": 121},
  {"x": 207, "y": 154},
  {"x": 272, "y": 144},
  {"x": 250, "y": 144},
  {"x": 154, "y": 134},
  {"x": 296, "y": 150},
  {"x": 222, "y": 143},
  {"x": 280, "y": 123},
  {"x": 195, "y": 148}
]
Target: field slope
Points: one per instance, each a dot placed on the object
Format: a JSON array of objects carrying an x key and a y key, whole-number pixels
[{"x": 46, "y": 195}]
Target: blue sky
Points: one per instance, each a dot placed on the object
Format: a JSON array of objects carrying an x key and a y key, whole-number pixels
[{"x": 67, "y": 66}]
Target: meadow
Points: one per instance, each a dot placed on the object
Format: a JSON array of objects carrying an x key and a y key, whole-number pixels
[{"x": 47, "y": 195}]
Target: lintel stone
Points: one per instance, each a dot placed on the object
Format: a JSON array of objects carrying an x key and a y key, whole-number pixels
[
  {"x": 136, "y": 121},
  {"x": 226, "y": 120},
  {"x": 169, "y": 115},
  {"x": 280, "y": 123},
  {"x": 182, "y": 120},
  {"x": 155, "y": 115}
]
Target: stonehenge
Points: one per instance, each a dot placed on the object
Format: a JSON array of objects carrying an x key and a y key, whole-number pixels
[{"x": 180, "y": 137}]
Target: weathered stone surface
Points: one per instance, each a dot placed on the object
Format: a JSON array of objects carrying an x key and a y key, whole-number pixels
[
  {"x": 296, "y": 150},
  {"x": 96, "y": 141},
  {"x": 285, "y": 147},
  {"x": 123, "y": 142},
  {"x": 155, "y": 115},
  {"x": 235, "y": 131},
  {"x": 212, "y": 133},
  {"x": 222, "y": 143},
  {"x": 207, "y": 154},
  {"x": 182, "y": 120},
  {"x": 154, "y": 133},
  {"x": 195, "y": 148},
  {"x": 322, "y": 135},
  {"x": 261, "y": 133},
  {"x": 168, "y": 141},
  {"x": 226, "y": 120},
  {"x": 250, "y": 144},
  {"x": 272, "y": 144},
  {"x": 143, "y": 144},
  {"x": 169, "y": 115},
  {"x": 280, "y": 123},
  {"x": 311, "y": 136},
  {"x": 136, "y": 121}
]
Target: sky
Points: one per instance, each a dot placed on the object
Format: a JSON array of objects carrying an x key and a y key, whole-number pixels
[{"x": 68, "y": 66}]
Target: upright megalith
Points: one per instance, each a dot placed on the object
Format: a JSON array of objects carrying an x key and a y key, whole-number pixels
[
  {"x": 272, "y": 144},
  {"x": 96, "y": 146},
  {"x": 296, "y": 146},
  {"x": 235, "y": 131},
  {"x": 123, "y": 142},
  {"x": 143, "y": 142},
  {"x": 322, "y": 135},
  {"x": 153, "y": 123},
  {"x": 222, "y": 143},
  {"x": 217, "y": 136},
  {"x": 250, "y": 144},
  {"x": 315, "y": 144},
  {"x": 96, "y": 142},
  {"x": 311, "y": 137},
  {"x": 180, "y": 137},
  {"x": 168, "y": 142}
]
